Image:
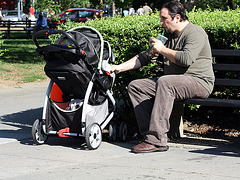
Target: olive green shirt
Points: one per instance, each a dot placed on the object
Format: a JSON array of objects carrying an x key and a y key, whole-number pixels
[{"x": 193, "y": 57}]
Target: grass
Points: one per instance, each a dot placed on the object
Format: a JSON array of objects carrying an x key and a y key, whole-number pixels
[{"x": 21, "y": 64}]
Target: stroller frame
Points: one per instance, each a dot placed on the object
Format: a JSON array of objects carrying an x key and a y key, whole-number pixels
[{"x": 91, "y": 131}]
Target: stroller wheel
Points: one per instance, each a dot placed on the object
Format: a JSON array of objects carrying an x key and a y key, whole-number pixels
[
  {"x": 93, "y": 136},
  {"x": 38, "y": 136},
  {"x": 112, "y": 131},
  {"x": 123, "y": 131}
]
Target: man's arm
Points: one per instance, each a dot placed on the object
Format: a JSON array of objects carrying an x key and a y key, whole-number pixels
[
  {"x": 187, "y": 55},
  {"x": 131, "y": 64}
]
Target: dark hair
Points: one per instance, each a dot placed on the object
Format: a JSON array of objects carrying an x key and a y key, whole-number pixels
[
  {"x": 175, "y": 8},
  {"x": 40, "y": 17}
]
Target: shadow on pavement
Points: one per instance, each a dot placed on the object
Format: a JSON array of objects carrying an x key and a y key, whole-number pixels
[
  {"x": 18, "y": 126},
  {"x": 230, "y": 147},
  {"x": 77, "y": 143},
  {"x": 219, "y": 151},
  {"x": 23, "y": 117},
  {"x": 54, "y": 140}
]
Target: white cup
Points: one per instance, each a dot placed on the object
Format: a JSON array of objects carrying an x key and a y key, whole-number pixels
[{"x": 162, "y": 38}]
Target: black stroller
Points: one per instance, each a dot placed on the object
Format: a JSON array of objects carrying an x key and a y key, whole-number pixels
[{"x": 78, "y": 100}]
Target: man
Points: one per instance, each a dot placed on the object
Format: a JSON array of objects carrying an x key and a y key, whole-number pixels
[
  {"x": 40, "y": 24},
  {"x": 188, "y": 73},
  {"x": 131, "y": 10},
  {"x": 147, "y": 9},
  {"x": 140, "y": 11}
]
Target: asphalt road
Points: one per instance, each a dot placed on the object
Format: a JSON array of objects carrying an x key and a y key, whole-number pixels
[{"x": 68, "y": 158}]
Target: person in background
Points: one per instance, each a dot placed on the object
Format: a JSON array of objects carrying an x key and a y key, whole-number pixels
[
  {"x": 131, "y": 10},
  {"x": 140, "y": 11},
  {"x": 31, "y": 13},
  {"x": 40, "y": 24},
  {"x": 1, "y": 16},
  {"x": 188, "y": 73},
  {"x": 125, "y": 12},
  {"x": 147, "y": 9}
]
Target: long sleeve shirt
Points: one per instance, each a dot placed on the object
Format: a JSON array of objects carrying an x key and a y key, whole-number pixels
[
  {"x": 42, "y": 23},
  {"x": 193, "y": 57}
]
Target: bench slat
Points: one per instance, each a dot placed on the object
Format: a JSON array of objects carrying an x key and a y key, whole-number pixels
[
  {"x": 227, "y": 82},
  {"x": 226, "y": 67},
  {"x": 226, "y": 52},
  {"x": 212, "y": 102}
]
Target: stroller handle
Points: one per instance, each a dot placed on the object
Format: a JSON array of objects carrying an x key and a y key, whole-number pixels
[{"x": 53, "y": 31}]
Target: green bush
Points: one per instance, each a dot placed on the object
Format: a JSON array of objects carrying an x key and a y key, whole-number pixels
[
  {"x": 222, "y": 27},
  {"x": 2, "y": 51}
]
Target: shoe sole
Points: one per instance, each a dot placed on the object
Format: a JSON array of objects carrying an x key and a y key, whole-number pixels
[{"x": 155, "y": 150}]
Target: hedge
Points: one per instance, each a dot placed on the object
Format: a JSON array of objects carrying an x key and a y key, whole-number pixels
[
  {"x": 222, "y": 27},
  {"x": 2, "y": 51}
]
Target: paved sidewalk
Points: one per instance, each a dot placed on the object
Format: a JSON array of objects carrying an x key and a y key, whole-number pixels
[{"x": 68, "y": 158}]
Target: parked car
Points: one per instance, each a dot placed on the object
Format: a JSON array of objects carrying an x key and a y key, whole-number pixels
[
  {"x": 79, "y": 14},
  {"x": 12, "y": 15},
  {"x": 75, "y": 14},
  {"x": 105, "y": 11}
]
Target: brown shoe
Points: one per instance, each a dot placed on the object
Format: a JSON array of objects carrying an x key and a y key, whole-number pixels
[{"x": 145, "y": 147}]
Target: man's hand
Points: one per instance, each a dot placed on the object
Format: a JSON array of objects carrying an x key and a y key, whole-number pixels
[
  {"x": 131, "y": 64},
  {"x": 116, "y": 69},
  {"x": 156, "y": 45}
]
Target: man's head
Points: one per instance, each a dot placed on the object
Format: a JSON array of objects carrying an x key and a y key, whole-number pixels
[{"x": 172, "y": 16}]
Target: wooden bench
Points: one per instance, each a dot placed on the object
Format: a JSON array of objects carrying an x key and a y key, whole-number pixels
[
  {"x": 224, "y": 61},
  {"x": 17, "y": 26},
  {"x": 226, "y": 66}
]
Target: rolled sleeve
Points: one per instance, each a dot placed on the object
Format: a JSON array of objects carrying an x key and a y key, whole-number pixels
[{"x": 146, "y": 57}]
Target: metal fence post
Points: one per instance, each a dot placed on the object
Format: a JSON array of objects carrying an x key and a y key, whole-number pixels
[{"x": 8, "y": 30}]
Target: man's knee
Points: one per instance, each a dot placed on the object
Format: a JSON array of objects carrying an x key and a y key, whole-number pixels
[
  {"x": 163, "y": 81},
  {"x": 133, "y": 85}
]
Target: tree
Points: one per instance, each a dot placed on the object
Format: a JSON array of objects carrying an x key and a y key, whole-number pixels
[
  {"x": 46, "y": 6},
  {"x": 217, "y": 4},
  {"x": 59, "y": 5},
  {"x": 66, "y": 4}
]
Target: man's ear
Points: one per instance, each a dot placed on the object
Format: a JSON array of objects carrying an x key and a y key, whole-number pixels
[{"x": 178, "y": 18}]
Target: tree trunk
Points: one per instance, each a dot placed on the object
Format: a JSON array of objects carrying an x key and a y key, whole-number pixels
[
  {"x": 113, "y": 8},
  {"x": 101, "y": 8}
]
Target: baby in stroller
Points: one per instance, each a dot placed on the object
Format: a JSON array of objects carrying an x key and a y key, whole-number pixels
[{"x": 78, "y": 100}]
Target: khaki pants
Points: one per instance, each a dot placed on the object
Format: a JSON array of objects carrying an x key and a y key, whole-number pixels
[{"x": 153, "y": 101}]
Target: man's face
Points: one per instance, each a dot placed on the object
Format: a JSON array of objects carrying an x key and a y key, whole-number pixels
[{"x": 166, "y": 20}]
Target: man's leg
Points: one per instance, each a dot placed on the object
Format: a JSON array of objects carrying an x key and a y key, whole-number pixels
[
  {"x": 142, "y": 93},
  {"x": 168, "y": 89}
]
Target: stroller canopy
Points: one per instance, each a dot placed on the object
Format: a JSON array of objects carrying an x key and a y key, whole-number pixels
[
  {"x": 90, "y": 43},
  {"x": 74, "y": 58}
]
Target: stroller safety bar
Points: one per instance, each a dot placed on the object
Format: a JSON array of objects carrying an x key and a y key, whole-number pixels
[
  {"x": 65, "y": 134},
  {"x": 54, "y": 31}
]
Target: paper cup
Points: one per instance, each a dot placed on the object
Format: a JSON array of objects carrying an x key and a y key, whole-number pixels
[{"x": 162, "y": 38}]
